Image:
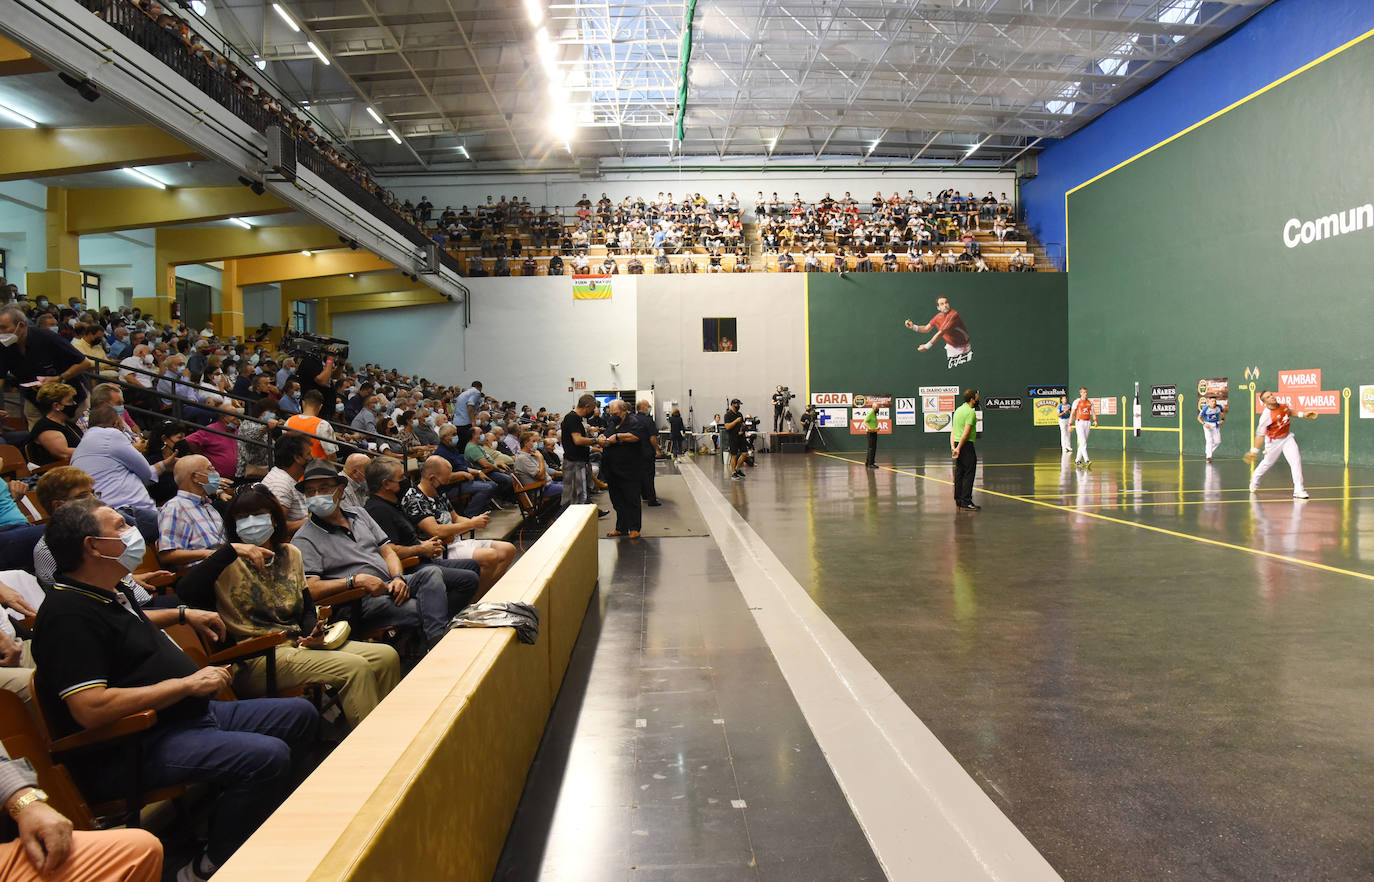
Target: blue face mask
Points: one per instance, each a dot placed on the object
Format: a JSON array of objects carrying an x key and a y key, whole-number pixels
[
  {"x": 119, "y": 408},
  {"x": 211, "y": 484},
  {"x": 255, "y": 529},
  {"x": 268, "y": 415},
  {"x": 321, "y": 506},
  {"x": 134, "y": 548}
]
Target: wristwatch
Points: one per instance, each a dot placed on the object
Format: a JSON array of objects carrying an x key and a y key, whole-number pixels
[{"x": 28, "y": 799}]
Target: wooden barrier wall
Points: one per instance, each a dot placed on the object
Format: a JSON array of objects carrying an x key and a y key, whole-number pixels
[{"x": 426, "y": 787}]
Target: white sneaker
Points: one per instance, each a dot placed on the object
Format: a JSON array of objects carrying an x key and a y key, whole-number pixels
[{"x": 1300, "y": 494}]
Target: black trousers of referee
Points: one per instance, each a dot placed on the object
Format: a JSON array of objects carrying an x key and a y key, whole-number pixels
[
  {"x": 777, "y": 418},
  {"x": 647, "y": 491},
  {"x": 624, "y": 482},
  {"x": 965, "y": 467},
  {"x": 872, "y": 448}
]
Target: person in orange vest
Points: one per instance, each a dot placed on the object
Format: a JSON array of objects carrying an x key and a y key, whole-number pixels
[{"x": 309, "y": 422}]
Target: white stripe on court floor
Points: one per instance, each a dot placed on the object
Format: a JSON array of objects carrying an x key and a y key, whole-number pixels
[{"x": 924, "y": 816}]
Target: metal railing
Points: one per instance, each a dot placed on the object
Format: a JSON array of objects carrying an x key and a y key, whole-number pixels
[
  {"x": 167, "y": 48},
  {"x": 177, "y": 403}
]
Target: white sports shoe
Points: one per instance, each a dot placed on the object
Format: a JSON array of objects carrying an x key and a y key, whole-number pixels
[{"x": 1300, "y": 494}]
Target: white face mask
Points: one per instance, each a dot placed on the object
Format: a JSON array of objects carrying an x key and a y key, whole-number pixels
[
  {"x": 8, "y": 339},
  {"x": 147, "y": 359},
  {"x": 134, "y": 548},
  {"x": 321, "y": 506}
]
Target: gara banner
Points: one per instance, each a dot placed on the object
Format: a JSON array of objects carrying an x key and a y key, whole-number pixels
[
  {"x": 591, "y": 287},
  {"x": 937, "y": 406},
  {"x": 831, "y": 399},
  {"x": 1045, "y": 403},
  {"x": 1164, "y": 401}
]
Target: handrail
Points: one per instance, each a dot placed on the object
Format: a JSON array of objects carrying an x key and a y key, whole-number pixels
[{"x": 216, "y": 84}]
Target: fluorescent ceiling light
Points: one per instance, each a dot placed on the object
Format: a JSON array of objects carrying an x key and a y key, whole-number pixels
[
  {"x": 972, "y": 150},
  {"x": 286, "y": 17},
  {"x": 567, "y": 145},
  {"x": 259, "y": 62},
  {"x": 536, "y": 11},
  {"x": 305, "y": 254},
  {"x": 241, "y": 222},
  {"x": 316, "y": 50},
  {"x": 541, "y": 37},
  {"x": 198, "y": 7},
  {"x": 395, "y": 137},
  {"x": 17, "y": 116},
  {"x": 375, "y": 118},
  {"x": 464, "y": 151},
  {"x": 772, "y": 145},
  {"x": 145, "y": 178}
]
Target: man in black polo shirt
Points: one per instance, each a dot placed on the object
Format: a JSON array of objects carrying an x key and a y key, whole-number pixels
[
  {"x": 35, "y": 356},
  {"x": 578, "y": 442},
  {"x": 733, "y": 424},
  {"x": 623, "y": 467},
  {"x": 103, "y": 659},
  {"x": 384, "y": 476}
]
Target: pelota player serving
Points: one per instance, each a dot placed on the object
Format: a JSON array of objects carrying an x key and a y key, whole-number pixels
[{"x": 1274, "y": 433}]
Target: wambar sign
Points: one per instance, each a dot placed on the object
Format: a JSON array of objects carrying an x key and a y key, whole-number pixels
[{"x": 1299, "y": 232}]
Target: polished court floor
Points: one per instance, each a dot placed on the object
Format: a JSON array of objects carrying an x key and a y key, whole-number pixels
[{"x": 1151, "y": 673}]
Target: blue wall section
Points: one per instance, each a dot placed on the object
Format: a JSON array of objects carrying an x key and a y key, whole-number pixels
[{"x": 1276, "y": 41}]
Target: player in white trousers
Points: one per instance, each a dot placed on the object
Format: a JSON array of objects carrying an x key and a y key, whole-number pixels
[
  {"x": 1084, "y": 418},
  {"x": 1274, "y": 432},
  {"x": 1065, "y": 412},
  {"x": 1211, "y": 416}
]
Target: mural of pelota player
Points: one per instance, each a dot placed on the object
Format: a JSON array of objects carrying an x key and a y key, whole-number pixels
[{"x": 947, "y": 324}]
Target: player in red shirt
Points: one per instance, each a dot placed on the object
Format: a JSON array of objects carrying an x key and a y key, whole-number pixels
[
  {"x": 1084, "y": 418},
  {"x": 946, "y": 323},
  {"x": 1274, "y": 432}
]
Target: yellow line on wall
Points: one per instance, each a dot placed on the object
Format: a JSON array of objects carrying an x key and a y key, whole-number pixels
[
  {"x": 1368, "y": 577},
  {"x": 1227, "y": 109}
]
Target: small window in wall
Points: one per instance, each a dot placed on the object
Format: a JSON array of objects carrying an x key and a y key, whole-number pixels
[
  {"x": 718, "y": 335},
  {"x": 90, "y": 289}
]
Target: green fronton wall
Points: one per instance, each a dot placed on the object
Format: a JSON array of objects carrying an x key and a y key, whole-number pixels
[
  {"x": 859, "y": 344},
  {"x": 1179, "y": 268}
]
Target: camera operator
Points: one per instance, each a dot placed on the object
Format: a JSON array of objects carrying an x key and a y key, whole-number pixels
[
  {"x": 780, "y": 400},
  {"x": 733, "y": 425},
  {"x": 319, "y": 371}
]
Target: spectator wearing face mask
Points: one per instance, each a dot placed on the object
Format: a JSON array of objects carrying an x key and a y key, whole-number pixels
[
  {"x": 55, "y": 436},
  {"x": 33, "y": 355},
  {"x": 190, "y": 528},
  {"x": 290, "y": 398},
  {"x": 366, "y": 419},
  {"x": 119, "y": 471},
  {"x": 255, "y": 459},
  {"x": 309, "y": 422},
  {"x": 223, "y": 452}
]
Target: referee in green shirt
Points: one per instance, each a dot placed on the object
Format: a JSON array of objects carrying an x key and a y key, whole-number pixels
[
  {"x": 962, "y": 433},
  {"x": 871, "y": 425}
]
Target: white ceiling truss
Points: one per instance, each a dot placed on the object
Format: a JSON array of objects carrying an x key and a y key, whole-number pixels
[{"x": 905, "y": 82}]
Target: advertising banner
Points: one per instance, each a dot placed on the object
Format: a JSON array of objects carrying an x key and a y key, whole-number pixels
[
  {"x": 1214, "y": 387},
  {"x": 865, "y": 403},
  {"x": 993, "y": 402},
  {"x": 906, "y": 412},
  {"x": 1367, "y": 402},
  {"x": 937, "y": 406},
  {"x": 1101, "y": 406},
  {"x": 1045, "y": 403},
  {"x": 832, "y": 416},
  {"x": 597, "y": 287},
  {"x": 1164, "y": 401},
  {"x": 831, "y": 399},
  {"x": 1302, "y": 391}
]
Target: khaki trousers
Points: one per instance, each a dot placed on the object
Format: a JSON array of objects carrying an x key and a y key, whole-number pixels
[{"x": 364, "y": 674}]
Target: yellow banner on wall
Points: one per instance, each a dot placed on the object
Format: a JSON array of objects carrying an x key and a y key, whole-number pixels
[{"x": 597, "y": 287}]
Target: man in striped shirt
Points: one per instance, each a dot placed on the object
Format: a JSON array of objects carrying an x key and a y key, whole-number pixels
[{"x": 190, "y": 528}]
